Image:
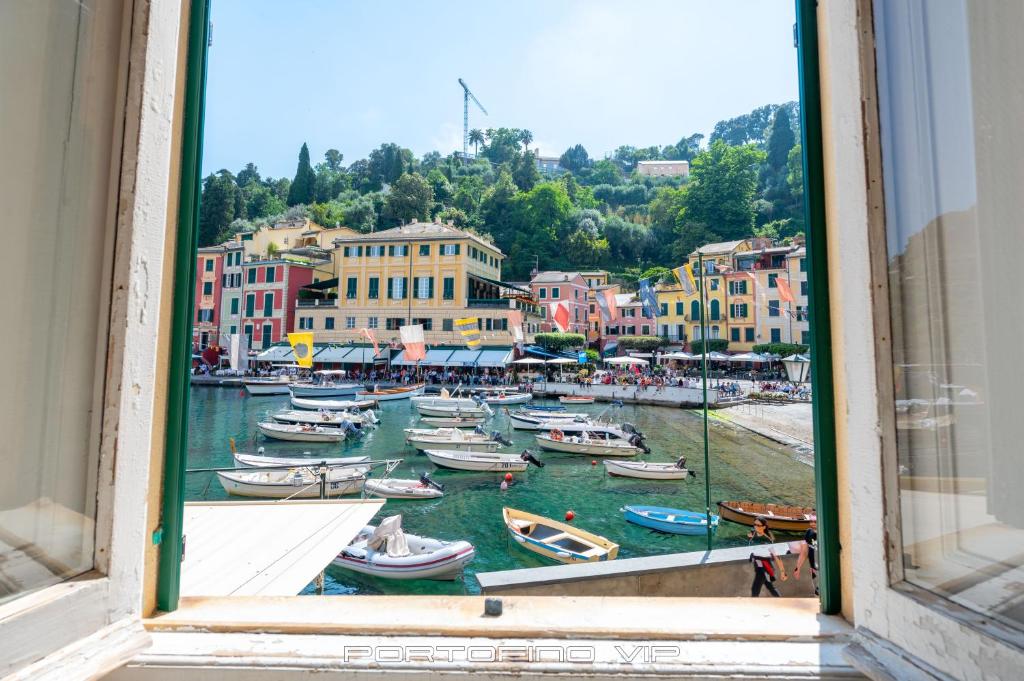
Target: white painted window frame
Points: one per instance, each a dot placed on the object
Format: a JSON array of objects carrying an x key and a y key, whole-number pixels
[{"x": 92, "y": 624}]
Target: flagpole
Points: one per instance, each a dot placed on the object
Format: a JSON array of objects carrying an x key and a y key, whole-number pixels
[{"x": 704, "y": 371}]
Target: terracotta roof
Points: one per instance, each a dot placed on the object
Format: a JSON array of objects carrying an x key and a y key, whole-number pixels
[
  {"x": 554, "y": 277},
  {"x": 418, "y": 231}
]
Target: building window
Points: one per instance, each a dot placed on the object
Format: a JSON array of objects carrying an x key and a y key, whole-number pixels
[
  {"x": 267, "y": 331},
  {"x": 694, "y": 310},
  {"x": 773, "y": 308},
  {"x": 305, "y": 323},
  {"x": 396, "y": 288},
  {"x": 680, "y": 308},
  {"x": 776, "y": 335},
  {"x": 398, "y": 251},
  {"x": 374, "y": 288},
  {"x": 805, "y": 337},
  {"x": 645, "y": 330},
  {"x": 234, "y": 306},
  {"x": 772, "y": 279},
  {"x": 449, "y": 288},
  {"x": 329, "y": 323},
  {"x": 803, "y": 264},
  {"x": 271, "y": 274},
  {"x": 450, "y": 249},
  {"x": 233, "y": 330},
  {"x": 351, "y": 288},
  {"x": 734, "y": 334},
  {"x": 664, "y": 309},
  {"x": 447, "y": 325},
  {"x": 542, "y": 293},
  {"x": 426, "y": 322},
  {"x": 748, "y": 334},
  {"x": 374, "y": 251},
  {"x": 207, "y": 288},
  {"x": 350, "y": 322},
  {"x": 208, "y": 263},
  {"x": 251, "y": 275},
  {"x": 268, "y": 304},
  {"x": 371, "y": 323},
  {"x": 424, "y": 249},
  {"x": 714, "y": 285},
  {"x": 715, "y": 312},
  {"x": 394, "y": 323},
  {"x": 554, "y": 292},
  {"x": 250, "y": 304},
  {"x": 803, "y": 288},
  {"x": 424, "y": 288},
  {"x": 248, "y": 333}
]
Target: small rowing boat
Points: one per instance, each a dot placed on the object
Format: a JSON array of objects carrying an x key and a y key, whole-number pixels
[
  {"x": 331, "y": 405},
  {"x": 386, "y": 551},
  {"x": 452, "y": 421},
  {"x": 395, "y": 488},
  {"x": 576, "y": 399},
  {"x": 388, "y": 394},
  {"x": 453, "y": 438},
  {"x": 480, "y": 411},
  {"x": 301, "y": 432},
  {"x": 671, "y": 520},
  {"x": 780, "y": 517},
  {"x": 261, "y": 461},
  {"x": 298, "y": 483},
  {"x": 647, "y": 470},
  {"x": 479, "y": 461},
  {"x": 556, "y": 540},
  {"x": 585, "y": 443}
]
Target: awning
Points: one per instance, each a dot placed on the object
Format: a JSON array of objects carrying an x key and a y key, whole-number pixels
[
  {"x": 281, "y": 353},
  {"x": 266, "y": 548},
  {"x": 360, "y": 356},
  {"x": 494, "y": 358},
  {"x": 323, "y": 285},
  {"x": 503, "y": 284},
  {"x": 463, "y": 358},
  {"x": 333, "y": 354},
  {"x": 435, "y": 357}
]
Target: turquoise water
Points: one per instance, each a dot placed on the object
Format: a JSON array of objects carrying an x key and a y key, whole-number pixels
[{"x": 743, "y": 466}]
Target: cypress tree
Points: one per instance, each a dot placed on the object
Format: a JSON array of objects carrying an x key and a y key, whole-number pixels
[{"x": 304, "y": 184}]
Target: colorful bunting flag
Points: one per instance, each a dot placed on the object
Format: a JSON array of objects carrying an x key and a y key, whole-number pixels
[
  {"x": 302, "y": 348},
  {"x": 560, "y": 314},
  {"x": 368, "y": 335},
  {"x": 606, "y": 305},
  {"x": 684, "y": 275},
  {"x": 649, "y": 299},
  {"x": 515, "y": 323},
  {"x": 412, "y": 339},
  {"x": 469, "y": 327},
  {"x": 785, "y": 293}
]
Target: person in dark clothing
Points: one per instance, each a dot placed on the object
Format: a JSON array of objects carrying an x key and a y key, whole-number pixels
[
  {"x": 764, "y": 559},
  {"x": 808, "y": 554}
]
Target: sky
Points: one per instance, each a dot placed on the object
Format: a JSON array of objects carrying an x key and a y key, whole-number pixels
[{"x": 351, "y": 75}]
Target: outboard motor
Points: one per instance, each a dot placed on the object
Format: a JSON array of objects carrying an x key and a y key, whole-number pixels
[
  {"x": 498, "y": 437},
  {"x": 630, "y": 428},
  {"x": 427, "y": 482},
  {"x": 638, "y": 441},
  {"x": 350, "y": 428},
  {"x": 527, "y": 455},
  {"x": 681, "y": 462},
  {"x": 480, "y": 430},
  {"x": 371, "y": 416}
]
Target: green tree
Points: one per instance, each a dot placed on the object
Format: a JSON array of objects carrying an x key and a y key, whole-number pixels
[
  {"x": 261, "y": 201},
  {"x": 502, "y": 144},
  {"x": 720, "y": 194},
  {"x": 526, "y": 137},
  {"x": 555, "y": 341},
  {"x": 247, "y": 175},
  {"x": 304, "y": 185},
  {"x": 476, "y": 138},
  {"x": 216, "y": 207},
  {"x": 605, "y": 172},
  {"x": 795, "y": 172},
  {"x": 457, "y": 217},
  {"x": 524, "y": 172},
  {"x": 410, "y": 198},
  {"x": 385, "y": 165},
  {"x": 442, "y": 188},
  {"x": 333, "y": 158},
  {"x": 641, "y": 343},
  {"x": 575, "y": 158},
  {"x": 585, "y": 249}
]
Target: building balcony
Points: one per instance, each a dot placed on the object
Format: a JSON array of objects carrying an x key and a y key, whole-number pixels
[
  {"x": 317, "y": 302},
  {"x": 489, "y": 303}
]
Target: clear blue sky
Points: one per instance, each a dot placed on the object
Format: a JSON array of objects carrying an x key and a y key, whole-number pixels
[{"x": 354, "y": 74}]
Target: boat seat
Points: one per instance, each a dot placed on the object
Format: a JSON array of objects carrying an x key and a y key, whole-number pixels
[{"x": 520, "y": 523}]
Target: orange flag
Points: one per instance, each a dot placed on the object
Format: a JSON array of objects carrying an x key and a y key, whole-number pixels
[
  {"x": 785, "y": 294},
  {"x": 368, "y": 335}
]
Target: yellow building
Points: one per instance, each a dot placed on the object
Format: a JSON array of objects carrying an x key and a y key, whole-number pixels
[
  {"x": 301, "y": 237},
  {"x": 421, "y": 273},
  {"x": 719, "y": 260},
  {"x": 596, "y": 280},
  {"x": 776, "y": 320},
  {"x": 673, "y": 313}
]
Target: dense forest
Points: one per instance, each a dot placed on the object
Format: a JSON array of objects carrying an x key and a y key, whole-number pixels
[{"x": 746, "y": 180}]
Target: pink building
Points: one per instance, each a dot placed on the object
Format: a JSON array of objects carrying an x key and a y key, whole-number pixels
[
  {"x": 269, "y": 291},
  {"x": 571, "y": 287},
  {"x": 209, "y": 268},
  {"x": 629, "y": 322}
]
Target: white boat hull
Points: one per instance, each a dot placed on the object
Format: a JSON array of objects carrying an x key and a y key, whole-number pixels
[
  {"x": 260, "y": 388},
  {"x": 645, "y": 471},
  {"x": 518, "y": 398},
  {"x": 568, "y": 399},
  {"x": 260, "y": 461},
  {"x": 430, "y": 559},
  {"x": 295, "y": 433},
  {"x": 422, "y": 442},
  {"x": 523, "y": 422},
  {"x": 388, "y": 395},
  {"x": 435, "y": 401},
  {"x": 391, "y": 488},
  {"x": 340, "y": 390},
  {"x": 592, "y": 447},
  {"x": 330, "y": 405},
  {"x": 475, "y": 412},
  {"x": 244, "y": 484},
  {"x": 476, "y": 461},
  {"x": 452, "y": 422},
  {"x": 327, "y": 418}
]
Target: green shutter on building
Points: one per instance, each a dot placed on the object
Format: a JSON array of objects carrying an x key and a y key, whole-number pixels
[
  {"x": 430, "y": 288},
  {"x": 391, "y": 288},
  {"x": 250, "y": 304}
]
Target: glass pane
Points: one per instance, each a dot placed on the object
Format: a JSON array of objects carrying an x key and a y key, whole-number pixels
[
  {"x": 954, "y": 167},
  {"x": 58, "y": 87}
]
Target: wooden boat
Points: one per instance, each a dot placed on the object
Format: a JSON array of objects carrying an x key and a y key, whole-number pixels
[
  {"x": 273, "y": 385},
  {"x": 452, "y": 421},
  {"x": 647, "y": 470},
  {"x": 477, "y": 461},
  {"x": 671, "y": 520},
  {"x": 385, "y": 551},
  {"x": 294, "y": 432},
  {"x": 556, "y": 540},
  {"x": 584, "y": 443},
  {"x": 481, "y": 411},
  {"x": 395, "y": 488},
  {"x": 454, "y": 439},
  {"x": 298, "y": 483},
  {"x": 780, "y": 517},
  {"x": 261, "y": 461},
  {"x": 327, "y": 418},
  {"x": 576, "y": 399},
  {"x": 331, "y": 405},
  {"x": 387, "y": 394},
  {"x": 508, "y": 398}
]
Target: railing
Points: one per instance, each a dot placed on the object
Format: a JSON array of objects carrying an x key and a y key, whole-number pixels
[
  {"x": 490, "y": 303},
  {"x": 316, "y": 302}
]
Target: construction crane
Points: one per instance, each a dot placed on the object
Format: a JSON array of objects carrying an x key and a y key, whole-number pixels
[{"x": 467, "y": 95}]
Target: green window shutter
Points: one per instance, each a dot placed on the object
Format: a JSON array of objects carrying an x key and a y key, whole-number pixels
[
  {"x": 391, "y": 251},
  {"x": 424, "y": 249},
  {"x": 449, "y": 288},
  {"x": 234, "y": 306},
  {"x": 251, "y": 276},
  {"x": 391, "y": 288},
  {"x": 250, "y": 305},
  {"x": 405, "y": 287},
  {"x": 268, "y": 304},
  {"x": 430, "y": 288},
  {"x": 457, "y": 248},
  {"x": 679, "y": 307}
]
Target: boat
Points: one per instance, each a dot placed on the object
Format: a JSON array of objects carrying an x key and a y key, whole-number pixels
[
  {"x": 327, "y": 418},
  {"x": 526, "y": 420},
  {"x": 480, "y": 461},
  {"x": 557, "y": 540},
  {"x": 648, "y": 471},
  {"x": 546, "y": 407},
  {"x": 385, "y": 551},
  {"x": 387, "y": 394},
  {"x": 671, "y": 520},
  {"x": 481, "y": 411},
  {"x": 780, "y": 517},
  {"x": 295, "y": 432},
  {"x": 455, "y": 439},
  {"x": 446, "y": 399},
  {"x": 395, "y": 488},
  {"x": 272, "y": 385},
  {"x": 325, "y": 384},
  {"x": 297, "y": 483},
  {"x": 262, "y": 461},
  {"x": 507, "y": 398},
  {"x": 453, "y": 421},
  {"x": 331, "y": 405},
  {"x": 585, "y": 443},
  {"x": 576, "y": 399}
]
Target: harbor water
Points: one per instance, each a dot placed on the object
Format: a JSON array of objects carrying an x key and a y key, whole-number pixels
[{"x": 743, "y": 466}]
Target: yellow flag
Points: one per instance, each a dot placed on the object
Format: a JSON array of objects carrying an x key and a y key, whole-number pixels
[
  {"x": 302, "y": 348},
  {"x": 470, "y": 330}
]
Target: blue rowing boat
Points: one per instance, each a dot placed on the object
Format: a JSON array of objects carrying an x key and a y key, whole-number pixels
[
  {"x": 672, "y": 520},
  {"x": 542, "y": 407}
]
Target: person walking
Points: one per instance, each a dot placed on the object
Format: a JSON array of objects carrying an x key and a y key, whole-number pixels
[
  {"x": 807, "y": 553},
  {"x": 764, "y": 559}
]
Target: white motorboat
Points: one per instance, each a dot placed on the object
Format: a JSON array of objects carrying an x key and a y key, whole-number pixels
[
  {"x": 305, "y": 432},
  {"x": 528, "y": 420},
  {"x": 298, "y": 483},
  {"x": 478, "y": 412},
  {"x": 646, "y": 470},
  {"x": 272, "y": 385},
  {"x": 327, "y": 383},
  {"x": 385, "y": 551},
  {"x": 453, "y": 421},
  {"x": 327, "y": 418},
  {"x": 394, "y": 488},
  {"x": 387, "y": 394},
  {"x": 331, "y": 405},
  {"x": 583, "y": 443},
  {"x": 507, "y": 398},
  {"x": 262, "y": 461},
  {"x": 480, "y": 461},
  {"x": 454, "y": 439},
  {"x": 442, "y": 401}
]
